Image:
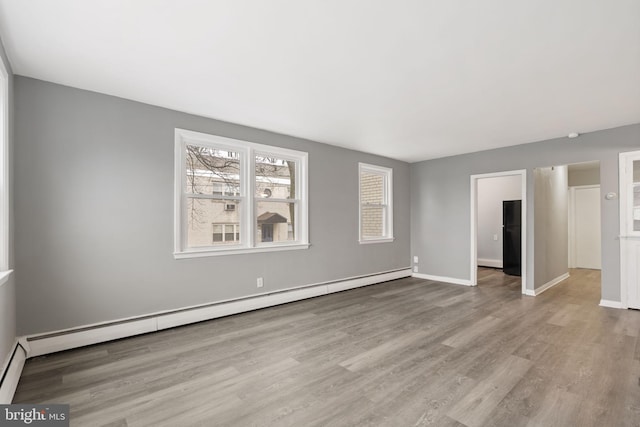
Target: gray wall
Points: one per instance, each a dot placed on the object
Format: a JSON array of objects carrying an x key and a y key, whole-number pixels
[
  {"x": 7, "y": 290},
  {"x": 589, "y": 176},
  {"x": 491, "y": 193},
  {"x": 551, "y": 228},
  {"x": 7, "y": 321},
  {"x": 94, "y": 207},
  {"x": 440, "y": 193}
]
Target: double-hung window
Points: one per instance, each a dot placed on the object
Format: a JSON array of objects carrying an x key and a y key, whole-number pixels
[
  {"x": 234, "y": 196},
  {"x": 376, "y": 204}
]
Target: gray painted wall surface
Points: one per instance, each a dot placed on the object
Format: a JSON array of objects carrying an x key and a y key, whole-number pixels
[
  {"x": 491, "y": 193},
  {"x": 94, "y": 207},
  {"x": 7, "y": 290},
  {"x": 584, "y": 177},
  {"x": 551, "y": 228},
  {"x": 7, "y": 321},
  {"x": 440, "y": 193}
]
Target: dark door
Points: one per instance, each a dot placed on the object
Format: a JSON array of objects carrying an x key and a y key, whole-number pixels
[
  {"x": 512, "y": 237},
  {"x": 267, "y": 232}
]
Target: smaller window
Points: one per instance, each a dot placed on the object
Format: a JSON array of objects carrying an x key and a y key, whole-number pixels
[
  {"x": 376, "y": 204},
  {"x": 226, "y": 233}
]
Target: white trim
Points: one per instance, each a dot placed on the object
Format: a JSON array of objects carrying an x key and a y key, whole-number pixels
[
  {"x": 228, "y": 251},
  {"x": 550, "y": 284},
  {"x": 622, "y": 203},
  {"x": 248, "y": 212},
  {"x": 493, "y": 263},
  {"x": 4, "y": 167},
  {"x": 387, "y": 174},
  {"x": 81, "y": 338},
  {"x": 625, "y": 200},
  {"x": 473, "y": 264},
  {"x": 12, "y": 371},
  {"x": 101, "y": 332},
  {"x": 610, "y": 304},
  {"x": 368, "y": 241},
  {"x": 443, "y": 279},
  {"x": 7, "y": 360},
  {"x": 571, "y": 223},
  {"x": 233, "y": 307}
]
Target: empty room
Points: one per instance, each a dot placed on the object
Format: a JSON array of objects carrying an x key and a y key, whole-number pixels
[{"x": 319, "y": 213}]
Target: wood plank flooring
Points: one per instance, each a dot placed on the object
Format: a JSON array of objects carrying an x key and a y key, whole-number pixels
[{"x": 408, "y": 352}]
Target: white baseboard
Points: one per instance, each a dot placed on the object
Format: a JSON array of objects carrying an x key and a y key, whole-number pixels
[
  {"x": 493, "y": 263},
  {"x": 59, "y": 341},
  {"x": 610, "y": 304},
  {"x": 92, "y": 334},
  {"x": 550, "y": 284},
  {"x": 464, "y": 282},
  {"x": 11, "y": 373},
  {"x": 171, "y": 320}
]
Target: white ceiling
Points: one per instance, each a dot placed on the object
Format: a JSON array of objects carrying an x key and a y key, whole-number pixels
[{"x": 407, "y": 79}]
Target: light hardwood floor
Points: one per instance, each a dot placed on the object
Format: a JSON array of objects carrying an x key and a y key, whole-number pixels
[{"x": 408, "y": 352}]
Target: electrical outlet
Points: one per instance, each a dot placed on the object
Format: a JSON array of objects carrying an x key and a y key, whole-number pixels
[
  {"x": 415, "y": 268},
  {"x": 415, "y": 259},
  {"x": 495, "y": 237},
  {"x": 260, "y": 282}
]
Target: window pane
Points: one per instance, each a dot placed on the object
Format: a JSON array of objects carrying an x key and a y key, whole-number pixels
[
  {"x": 212, "y": 171},
  {"x": 371, "y": 188},
  {"x": 372, "y": 223},
  {"x": 217, "y": 232},
  {"x": 276, "y": 222},
  {"x": 636, "y": 171},
  {"x": 275, "y": 178},
  {"x": 208, "y": 222}
]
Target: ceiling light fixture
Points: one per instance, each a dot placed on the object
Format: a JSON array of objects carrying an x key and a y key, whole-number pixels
[{"x": 573, "y": 135}]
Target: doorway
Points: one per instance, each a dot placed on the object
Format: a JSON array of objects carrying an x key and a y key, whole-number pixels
[
  {"x": 267, "y": 232},
  {"x": 584, "y": 227},
  {"x": 474, "y": 261},
  {"x": 585, "y": 246}
]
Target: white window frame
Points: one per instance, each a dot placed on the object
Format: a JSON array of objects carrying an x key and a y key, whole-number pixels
[
  {"x": 4, "y": 173},
  {"x": 387, "y": 174},
  {"x": 248, "y": 200}
]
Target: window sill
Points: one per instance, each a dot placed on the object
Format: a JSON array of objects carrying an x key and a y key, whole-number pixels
[
  {"x": 369, "y": 241},
  {"x": 4, "y": 276},
  {"x": 238, "y": 251}
]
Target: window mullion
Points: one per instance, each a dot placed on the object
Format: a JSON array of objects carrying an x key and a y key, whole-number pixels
[
  {"x": 183, "y": 205},
  {"x": 249, "y": 176}
]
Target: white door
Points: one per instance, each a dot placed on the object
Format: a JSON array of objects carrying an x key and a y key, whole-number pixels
[
  {"x": 587, "y": 227},
  {"x": 630, "y": 228}
]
